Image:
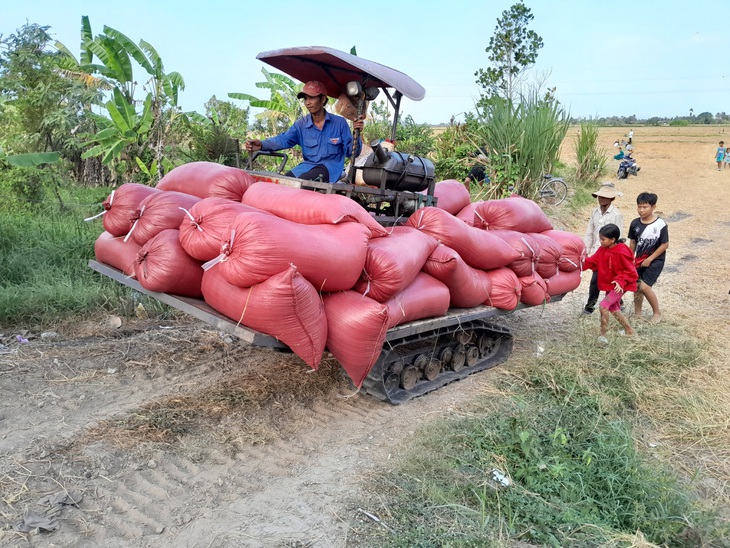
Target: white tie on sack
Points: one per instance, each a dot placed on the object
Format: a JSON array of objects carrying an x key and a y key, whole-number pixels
[
  {"x": 225, "y": 251},
  {"x": 192, "y": 219},
  {"x": 141, "y": 211},
  {"x": 111, "y": 201}
]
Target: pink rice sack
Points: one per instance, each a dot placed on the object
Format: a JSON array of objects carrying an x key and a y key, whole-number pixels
[
  {"x": 121, "y": 205},
  {"x": 452, "y": 196},
  {"x": 506, "y": 289},
  {"x": 534, "y": 290},
  {"x": 572, "y": 249},
  {"x": 468, "y": 287},
  {"x": 563, "y": 282},
  {"x": 513, "y": 213},
  {"x": 331, "y": 257},
  {"x": 526, "y": 246},
  {"x": 285, "y": 306},
  {"x": 357, "y": 326},
  {"x": 163, "y": 266},
  {"x": 207, "y": 180},
  {"x": 208, "y": 225},
  {"x": 309, "y": 208},
  {"x": 393, "y": 262},
  {"x": 425, "y": 297},
  {"x": 467, "y": 213},
  {"x": 549, "y": 259},
  {"x": 159, "y": 212},
  {"x": 478, "y": 248},
  {"x": 114, "y": 251}
]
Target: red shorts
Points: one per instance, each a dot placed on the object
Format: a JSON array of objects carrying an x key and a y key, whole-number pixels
[{"x": 612, "y": 301}]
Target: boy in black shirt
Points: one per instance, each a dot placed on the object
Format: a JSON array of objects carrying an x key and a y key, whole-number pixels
[{"x": 649, "y": 240}]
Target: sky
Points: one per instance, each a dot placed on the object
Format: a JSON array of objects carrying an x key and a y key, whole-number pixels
[{"x": 645, "y": 58}]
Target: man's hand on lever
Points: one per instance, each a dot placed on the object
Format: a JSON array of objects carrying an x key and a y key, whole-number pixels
[{"x": 252, "y": 145}]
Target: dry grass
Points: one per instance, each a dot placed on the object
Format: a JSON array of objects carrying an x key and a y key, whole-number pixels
[{"x": 249, "y": 408}]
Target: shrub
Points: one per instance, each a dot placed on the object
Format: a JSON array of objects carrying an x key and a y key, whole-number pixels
[{"x": 590, "y": 157}]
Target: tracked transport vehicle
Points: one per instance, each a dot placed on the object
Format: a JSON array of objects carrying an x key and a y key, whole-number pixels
[{"x": 419, "y": 356}]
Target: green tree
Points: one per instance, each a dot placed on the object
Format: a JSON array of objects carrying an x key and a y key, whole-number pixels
[
  {"x": 704, "y": 118},
  {"x": 511, "y": 50},
  {"x": 282, "y": 109},
  {"x": 215, "y": 137},
  {"x": 133, "y": 140},
  {"x": 411, "y": 137},
  {"x": 41, "y": 109}
]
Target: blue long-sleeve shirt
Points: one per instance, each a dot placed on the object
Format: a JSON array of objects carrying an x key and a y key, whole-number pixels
[{"x": 328, "y": 146}]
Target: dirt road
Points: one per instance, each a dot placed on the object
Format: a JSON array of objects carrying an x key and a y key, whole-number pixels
[{"x": 175, "y": 435}]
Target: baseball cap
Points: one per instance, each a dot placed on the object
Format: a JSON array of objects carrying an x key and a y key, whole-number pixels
[{"x": 313, "y": 89}]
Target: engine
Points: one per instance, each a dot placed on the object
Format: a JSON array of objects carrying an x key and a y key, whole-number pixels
[{"x": 397, "y": 171}]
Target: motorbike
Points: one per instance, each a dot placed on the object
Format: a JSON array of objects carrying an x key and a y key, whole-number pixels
[{"x": 628, "y": 166}]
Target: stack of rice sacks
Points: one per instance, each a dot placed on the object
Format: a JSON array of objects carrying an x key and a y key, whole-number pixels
[{"x": 317, "y": 271}]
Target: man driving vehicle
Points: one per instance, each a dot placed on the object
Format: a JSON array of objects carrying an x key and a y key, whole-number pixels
[{"x": 325, "y": 138}]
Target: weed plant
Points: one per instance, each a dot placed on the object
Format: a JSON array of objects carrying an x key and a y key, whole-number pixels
[{"x": 556, "y": 462}]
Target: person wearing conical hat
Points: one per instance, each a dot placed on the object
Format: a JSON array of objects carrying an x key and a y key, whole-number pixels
[{"x": 606, "y": 213}]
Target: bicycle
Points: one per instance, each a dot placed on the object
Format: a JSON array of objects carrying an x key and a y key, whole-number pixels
[{"x": 553, "y": 191}]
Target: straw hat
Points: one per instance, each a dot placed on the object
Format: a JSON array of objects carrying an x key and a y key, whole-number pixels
[{"x": 607, "y": 190}]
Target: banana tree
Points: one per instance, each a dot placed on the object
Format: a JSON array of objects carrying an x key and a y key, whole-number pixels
[
  {"x": 126, "y": 132},
  {"x": 30, "y": 159},
  {"x": 283, "y": 108},
  {"x": 122, "y": 135}
]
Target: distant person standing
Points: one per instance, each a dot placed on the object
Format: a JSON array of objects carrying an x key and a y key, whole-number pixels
[
  {"x": 727, "y": 158},
  {"x": 631, "y": 136},
  {"x": 720, "y": 155}
]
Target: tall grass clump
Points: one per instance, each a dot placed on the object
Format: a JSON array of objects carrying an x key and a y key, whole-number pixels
[
  {"x": 591, "y": 158},
  {"x": 45, "y": 246},
  {"x": 556, "y": 460},
  {"x": 523, "y": 140}
]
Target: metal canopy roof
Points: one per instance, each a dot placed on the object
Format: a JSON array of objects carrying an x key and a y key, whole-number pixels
[{"x": 335, "y": 68}]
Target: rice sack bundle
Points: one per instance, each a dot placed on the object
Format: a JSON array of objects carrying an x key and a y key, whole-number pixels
[
  {"x": 563, "y": 282},
  {"x": 114, "y": 251},
  {"x": 513, "y": 213},
  {"x": 452, "y": 196},
  {"x": 208, "y": 180},
  {"x": 393, "y": 262},
  {"x": 163, "y": 266},
  {"x": 549, "y": 259},
  {"x": 467, "y": 213},
  {"x": 572, "y": 249},
  {"x": 506, "y": 289},
  {"x": 309, "y": 208},
  {"x": 534, "y": 290},
  {"x": 159, "y": 212},
  {"x": 478, "y": 248},
  {"x": 331, "y": 257},
  {"x": 526, "y": 246},
  {"x": 357, "y": 326},
  {"x": 121, "y": 205},
  {"x": 285, "y": 306},
  {"x": 425, "y": 297},
  {"x": 207, "y": 225},
  {"x": 468, "y": 287}
]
